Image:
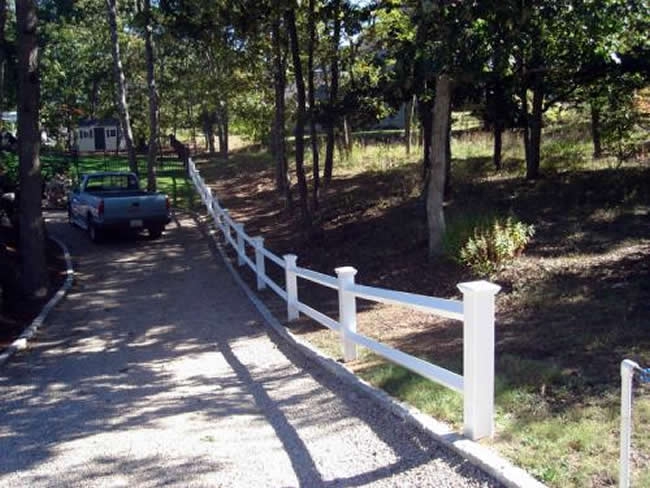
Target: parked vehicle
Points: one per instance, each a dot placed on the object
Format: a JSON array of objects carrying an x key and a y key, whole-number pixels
[{"x": 113, "y": 201}]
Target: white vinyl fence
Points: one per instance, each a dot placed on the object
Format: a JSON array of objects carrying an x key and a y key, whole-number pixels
[{"x": 476, "y": 311}]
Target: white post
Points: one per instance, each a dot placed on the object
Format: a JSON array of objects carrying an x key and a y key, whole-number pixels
[
  {"x": 260, "y": 269},
  {"x": 347, "y": 311},
  {"x": 627, "y": 373},
  {"x": 291, "y": 281},
  {"x": 239, "y": 228},
  {"x": 478, "y": 358}
]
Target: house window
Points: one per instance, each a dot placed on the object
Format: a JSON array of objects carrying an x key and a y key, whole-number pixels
[{"x": 111, "y": 133}]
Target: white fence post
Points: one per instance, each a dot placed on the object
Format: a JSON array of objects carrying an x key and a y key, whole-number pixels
[
  {"x": 241, "y": 250},
  {"x": 347, "y": 311},
  {"x": 627, "y": 373},
  {"x": 292, "y": 286},
  {"x": 478, "y": 358},
  {"x": 260, "y": 268}
]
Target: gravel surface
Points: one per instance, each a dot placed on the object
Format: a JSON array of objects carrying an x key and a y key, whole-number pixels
[{"x": 157, "y": 371}]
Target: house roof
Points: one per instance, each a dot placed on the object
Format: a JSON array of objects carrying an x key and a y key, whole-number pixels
[{"x": 99, "y": 123}]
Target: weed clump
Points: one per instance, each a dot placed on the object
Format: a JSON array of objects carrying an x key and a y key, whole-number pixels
[{"x": 487, "y": 245}]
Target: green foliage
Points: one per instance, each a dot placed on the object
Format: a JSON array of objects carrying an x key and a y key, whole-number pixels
[
  {"x": 618, "y": 125},
  {"x": 486, "y": 244},
  {"x": 9, "y": 167}
]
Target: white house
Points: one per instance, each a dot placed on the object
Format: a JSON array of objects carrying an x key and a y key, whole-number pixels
[{"x": 98, "y": 135}]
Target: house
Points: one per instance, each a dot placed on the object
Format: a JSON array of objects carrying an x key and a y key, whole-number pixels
[{"x": 98, "y": 135}]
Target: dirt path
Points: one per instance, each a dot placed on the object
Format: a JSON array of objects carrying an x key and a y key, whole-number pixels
[{"x": 156, "y": 371}]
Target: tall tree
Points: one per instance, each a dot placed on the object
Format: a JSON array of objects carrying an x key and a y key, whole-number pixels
[
  {"x": 153, "y": 97},
  {"x": 3, "y": 47},
  {"x": 312, "y": 103},
  {"x": 279, "y": 68},
  {"x": 330, "y": 120},
  {"x": 290, "y": 19},
  {"x": 32, "y": 232},
  {"x": 120, "y": 80},
  {"x": 440, "y": 159}
]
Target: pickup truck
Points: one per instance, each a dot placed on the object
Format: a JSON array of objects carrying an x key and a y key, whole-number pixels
[{"x": 113, "y": 201}]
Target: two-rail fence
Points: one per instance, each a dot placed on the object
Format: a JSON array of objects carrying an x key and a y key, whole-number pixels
[{"x": 476, "y": 311}]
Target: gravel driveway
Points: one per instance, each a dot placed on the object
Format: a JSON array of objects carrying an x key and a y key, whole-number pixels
[{"x": 157, "y": 371}]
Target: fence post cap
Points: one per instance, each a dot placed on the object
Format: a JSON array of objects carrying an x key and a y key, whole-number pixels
[
  {"x": 258, "y": 240},
  {"x": 238, "y": 225},
  {"x": 346, "y": 271},
  {"x": 483, "y": 287},
  {"x": 290, "y": 259}
]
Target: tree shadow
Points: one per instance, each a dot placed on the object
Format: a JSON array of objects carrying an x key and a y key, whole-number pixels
[{"x": 134, "y": 347}]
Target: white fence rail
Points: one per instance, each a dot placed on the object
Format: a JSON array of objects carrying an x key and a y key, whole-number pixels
[{"x": 476, "y": 311}]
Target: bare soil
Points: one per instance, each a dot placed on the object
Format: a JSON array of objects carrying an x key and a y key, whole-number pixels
[{"x": 578, "y": 299}]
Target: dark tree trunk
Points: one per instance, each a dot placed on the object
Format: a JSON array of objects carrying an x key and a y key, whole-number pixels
[
  {"x": 447, "y": 192},
  {"x": 282, "y": 182},
  {"x": 595, "y": 131},
  {"x": 312, "y": 105},
  {"x": 3, "y": 47},
  {"x": 535, "y": 123},
  {"x": 290, "y": 19},
  {"x": 436, "y": 181},
  {"x": 497, "y": 130},
  {"x": 153, "y": 99},
  {"x": 123, "y": 107},
  {"x": 224, "y": 147},
  {"x": 525, "y": 121},
  {"x": 408, "y": 119},
  {"x": 34, "y": 278},
  {"x": 426, "y": 116},
  {"x": 330, "y": 120},
  {"x": 496, "y": 105}
]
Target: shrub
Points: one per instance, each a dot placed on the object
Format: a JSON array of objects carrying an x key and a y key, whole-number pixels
[{"x": 487, "y": 244}]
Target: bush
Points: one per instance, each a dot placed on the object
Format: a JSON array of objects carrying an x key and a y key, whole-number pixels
[{"x": 487, "y": 245}]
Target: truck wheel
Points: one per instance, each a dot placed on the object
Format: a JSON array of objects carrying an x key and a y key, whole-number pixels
[
  {"x": 93, "y": 232},
  {"x": 155, "y": 232}
]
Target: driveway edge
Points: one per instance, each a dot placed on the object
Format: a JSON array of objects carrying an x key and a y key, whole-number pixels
[
  {"x": 486, "y": 459},
  {"x": 21, "y": 342}
]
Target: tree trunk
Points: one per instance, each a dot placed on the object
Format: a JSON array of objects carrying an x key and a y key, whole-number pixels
[
  {"x": 282, "y": 182},
  {"x": 225, "y": 115},
  {"x": 436, "y": 183},
  {"x": 497, "y": 130},
  {"x": 34, "y": 276},
  {"x": 347, "y": 136},
  {"x": 595, "y": 131},
  {"x": 535, "y": 123},
  {"x": 153, "y": 99},
  {"x": 525, "y": 118},
  {"x": 125, "y": 120},
  {"x": 312, "y": 105},
  {"x": 3, "y": 47},
  {"x": 330, "y": 120},
  {"x": 426, "y": 117},
  {"x": 290, "y": 19},
  {"x": 408, "y": 113},
  {"x": 447, "y": 192}
]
